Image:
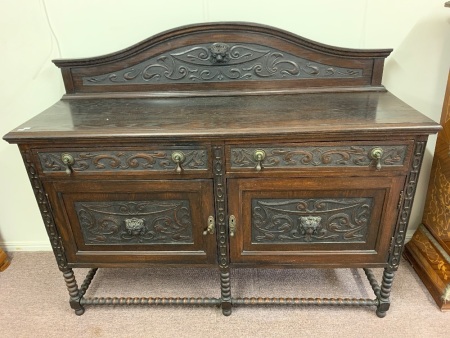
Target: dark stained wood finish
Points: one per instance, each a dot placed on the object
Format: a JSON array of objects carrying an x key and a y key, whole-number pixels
[
  {"x": 324, "y": 104},
  {"x": 281, "y": 249},
  {"x": 363, "y": 115},
  {"x": 369, "y": 61},
  {"x": 429, "y": 249},
  {"x": 198, "y": 249}
]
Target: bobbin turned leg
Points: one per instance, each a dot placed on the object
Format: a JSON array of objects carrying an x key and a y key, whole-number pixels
[
  {"x": 74, "y": 292},
  {"x": 385, "y": 291},
  {"x": 225, "y": 290}
]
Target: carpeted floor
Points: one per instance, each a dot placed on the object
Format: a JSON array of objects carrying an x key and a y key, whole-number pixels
[{"x": 34, "y": 303}]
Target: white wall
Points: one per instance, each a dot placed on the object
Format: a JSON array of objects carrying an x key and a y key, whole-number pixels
[{"x": 32, "y": 32}]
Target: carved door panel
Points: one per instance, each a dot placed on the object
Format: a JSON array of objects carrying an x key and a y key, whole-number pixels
[
  {"x": 326, "y": 221},
  {"x": 115, "y": 222}
]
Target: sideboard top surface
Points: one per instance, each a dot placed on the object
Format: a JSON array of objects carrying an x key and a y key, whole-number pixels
[
  {"x": 302, "y": 115},
  {"x": 225, "y": 80}
]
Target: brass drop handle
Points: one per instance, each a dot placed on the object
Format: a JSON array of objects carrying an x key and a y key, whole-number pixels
[
  {"x": 178, "y": 158},
  {"x": 259, "y": 155},
  {"x": 68, "y": 161},
  {"x": 376, "y": 154},
  {"x": 211, "y": 226},
  {"x": 232, "y": 225}
]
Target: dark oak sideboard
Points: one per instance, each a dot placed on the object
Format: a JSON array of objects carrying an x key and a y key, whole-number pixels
[{"x": 226, "y": 145}]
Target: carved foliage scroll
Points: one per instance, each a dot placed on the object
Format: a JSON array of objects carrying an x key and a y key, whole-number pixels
[
  {"x": 348, "y": 156},
  {"x": 137, "y": 222},
  {"x": 124, "y": 160},
  {"x": 221, "y": 62},
  {"x": 311, "y": 220}
]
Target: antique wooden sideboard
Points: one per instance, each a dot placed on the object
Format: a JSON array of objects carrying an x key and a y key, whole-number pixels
[
  {"x": 226, "y": 145},
  {"x": 429, "y": 249}
]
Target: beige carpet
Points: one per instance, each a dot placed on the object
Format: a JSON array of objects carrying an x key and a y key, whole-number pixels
[{"x": 34, "y": 303}]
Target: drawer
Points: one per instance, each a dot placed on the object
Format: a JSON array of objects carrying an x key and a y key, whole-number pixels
[
  {"x": 158, "y": 160},
  {"x": 361, "y": 155}
]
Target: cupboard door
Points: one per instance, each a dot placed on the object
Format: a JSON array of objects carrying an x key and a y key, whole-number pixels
[
  {"x": 323, "y": 221},
  {"x": 116, "y": 222}
]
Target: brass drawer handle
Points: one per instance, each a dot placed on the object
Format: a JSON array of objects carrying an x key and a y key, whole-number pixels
[
  {"x": 376, "y": 155},
  {"x": 211, "y": 226},
  {"x": 259, "y": 155},
  {"x": 178, "y": 158},
  {"x": 68, "y": 161},
  {"x": 232, "y": 225}
]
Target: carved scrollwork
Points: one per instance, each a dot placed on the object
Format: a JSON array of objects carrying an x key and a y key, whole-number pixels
[
  {"x": 222, "y": 62},
  {"x": 151, "y": 222},
  {"x": 317, "y": 156},
  {"x": 311, "y": 220},
  {"x": 45, "y": 209},
  {"x": 405, "y": 208},
  {"x": 124, "y": 160}
]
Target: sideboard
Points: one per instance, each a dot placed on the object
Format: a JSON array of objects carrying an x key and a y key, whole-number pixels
[{"x": 226, "y": 145}]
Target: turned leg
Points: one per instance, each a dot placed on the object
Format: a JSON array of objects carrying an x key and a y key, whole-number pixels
[
  {"x": 74, "y": 292},
  {"x": 385, "y": 291},
  {"x": 225, "y": 290}
]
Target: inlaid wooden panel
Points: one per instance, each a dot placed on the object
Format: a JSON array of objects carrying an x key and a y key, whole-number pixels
[
  {"x": 4, "y": 261},
  {"x": 436, "y": 214}
]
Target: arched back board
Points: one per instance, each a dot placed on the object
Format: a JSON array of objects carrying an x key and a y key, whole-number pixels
[{"x": 224, "y": 59}]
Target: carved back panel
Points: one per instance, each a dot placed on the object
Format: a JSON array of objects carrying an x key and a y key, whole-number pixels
[{"x": 224, "y": 58}]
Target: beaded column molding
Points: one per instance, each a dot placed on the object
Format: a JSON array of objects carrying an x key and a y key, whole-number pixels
[
  {"x": 405, "y": 210},
  {"x": 55, "y": 239},
  {"x": 220, "y": 198}
]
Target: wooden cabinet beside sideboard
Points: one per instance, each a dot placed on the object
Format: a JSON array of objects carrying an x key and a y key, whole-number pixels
[{"x": 429, "y": 249}]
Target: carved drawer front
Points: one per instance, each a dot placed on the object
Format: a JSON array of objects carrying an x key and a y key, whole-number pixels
[
  {"x": 329, "y": 222},
  {"x": 362, "y": 155},
  {"x": 168, "y": 221},
  {"x": 166, "y": 159}
]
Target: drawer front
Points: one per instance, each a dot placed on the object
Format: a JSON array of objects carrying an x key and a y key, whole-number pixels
[
  {"x": 330, "y": 222},
  {"x": 169, "y": 160},
  {"x": 361, "y": 155},
  {"x": 148, "y": 221}
]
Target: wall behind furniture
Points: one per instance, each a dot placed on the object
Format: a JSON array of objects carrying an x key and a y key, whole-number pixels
[{"x": 33, "y": 32}]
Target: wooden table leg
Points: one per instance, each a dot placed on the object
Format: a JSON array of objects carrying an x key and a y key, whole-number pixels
[{"x": 4, "y": 261}]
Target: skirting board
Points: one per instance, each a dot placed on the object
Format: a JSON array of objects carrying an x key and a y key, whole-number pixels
[{"x": 26, "y": 246}]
